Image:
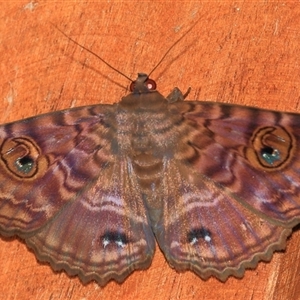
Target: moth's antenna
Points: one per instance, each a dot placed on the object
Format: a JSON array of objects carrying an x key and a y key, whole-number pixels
[
  {"x": 115, "y": 69},
  {"x": 163, "y": 57},
  {"x": 93, "y": 53}
]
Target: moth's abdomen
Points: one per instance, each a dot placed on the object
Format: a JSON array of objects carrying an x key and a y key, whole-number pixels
[
  {"x": 148, "y": 170},
  {"x": 149, "y": 145}
]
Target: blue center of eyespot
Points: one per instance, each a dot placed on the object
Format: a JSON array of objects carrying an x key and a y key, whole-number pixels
[
  {"x": 24, "y": 164},
  {"x": 270, "y": 155}
]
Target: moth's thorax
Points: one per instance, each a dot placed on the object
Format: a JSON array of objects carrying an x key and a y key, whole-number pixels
[
  {"x": 144, "y": 124},
  {"x": 147, "y": 100}
]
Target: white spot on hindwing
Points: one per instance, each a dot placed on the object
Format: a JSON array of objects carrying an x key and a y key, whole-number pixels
[
  {"x": 194, "y": 241},
  {"x": 207, "y": 238},
  {"x": 199, "y": 234},
  {"x": 105, "y": 242},
  {"x": 110, "y": 238},
  {"x": 120, "y": 244}
]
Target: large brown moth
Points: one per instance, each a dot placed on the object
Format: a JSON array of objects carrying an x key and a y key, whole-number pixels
[{"x": 91, "y": 189}]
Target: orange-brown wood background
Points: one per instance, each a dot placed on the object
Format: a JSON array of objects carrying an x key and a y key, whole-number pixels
[{"x": 238, "y": 52}]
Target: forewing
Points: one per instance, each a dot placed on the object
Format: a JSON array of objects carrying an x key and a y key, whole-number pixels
[
  {"x": 252, "y": 154},
  {"x": 45, "y": 163}
]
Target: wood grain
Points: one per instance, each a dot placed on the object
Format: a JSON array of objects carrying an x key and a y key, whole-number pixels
[{"x": 245, "y": 53}]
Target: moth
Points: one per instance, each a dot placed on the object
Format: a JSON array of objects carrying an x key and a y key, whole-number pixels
[{"x": 92, "y": 189}]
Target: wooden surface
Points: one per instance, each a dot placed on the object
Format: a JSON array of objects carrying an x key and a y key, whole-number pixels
[{"x": 245, "y": 53}]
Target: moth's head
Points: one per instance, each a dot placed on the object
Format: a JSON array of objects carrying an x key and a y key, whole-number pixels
[
  {"x": 143, "y": 94},
  {"x": 143, "y": 84}
]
